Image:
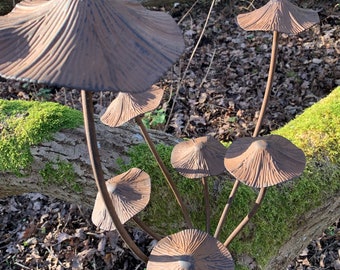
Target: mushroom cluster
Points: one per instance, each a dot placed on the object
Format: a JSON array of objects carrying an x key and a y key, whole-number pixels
[{"x": 118, "y": 45}]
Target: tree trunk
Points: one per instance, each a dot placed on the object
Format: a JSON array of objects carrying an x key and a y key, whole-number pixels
[
  {"x": 70, "y": 146},
  {"x": 311, "y": 226}
]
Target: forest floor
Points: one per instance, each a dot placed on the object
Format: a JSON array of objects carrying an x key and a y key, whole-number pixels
[{"x": 217, "y": 90}]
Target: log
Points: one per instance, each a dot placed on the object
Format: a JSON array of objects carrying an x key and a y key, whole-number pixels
[{"x": 69, "y": 146}]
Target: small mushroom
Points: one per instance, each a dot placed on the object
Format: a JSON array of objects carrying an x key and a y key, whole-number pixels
[
  {"x": 198, "y": 158},
  {"x": 127, "y": 106},
  {"x": 131, "y": 105},
  {"x": 264, "y": 161},
  {"x": 129, "y": 192},
  {"x": 277, "y": 16},
  {"x": 188, "y": 250}
]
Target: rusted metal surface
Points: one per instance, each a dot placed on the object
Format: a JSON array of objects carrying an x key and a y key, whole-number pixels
[
  {"x": 199, "y": 157},
  {"x": 127, "y": 106},
  {"x": 190, "y": 249},
  {"x": 279, "y": 15},
  {"x": 85, "y": 44},
  {"x": 264, "y": 161}
]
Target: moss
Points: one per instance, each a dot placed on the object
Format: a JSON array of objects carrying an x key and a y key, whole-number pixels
[
  {"x": 316, "y": 131},
  {"x": 27, "y": 123},
  {"x": 60, "y": 173}
]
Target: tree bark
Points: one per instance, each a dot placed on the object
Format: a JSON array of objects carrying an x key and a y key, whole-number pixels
[
  {"x": 311, "y": 226},
  {"x": 70, "y": 146}
]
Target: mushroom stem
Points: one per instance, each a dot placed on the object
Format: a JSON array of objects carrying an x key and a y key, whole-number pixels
[
  {"x": 146, "y": 228},
  {"x": 269, "y": 83},
  {"x": 206, "y": 203},
  {"x": 164, "y": 171},
  {"x": 244, "y": 222},
  {"x": 226, "y": 209},
  {"x": 90, "y": 132}
]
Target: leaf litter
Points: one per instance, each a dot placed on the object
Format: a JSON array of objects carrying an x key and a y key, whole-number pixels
[{"x": 219, "y": 93}]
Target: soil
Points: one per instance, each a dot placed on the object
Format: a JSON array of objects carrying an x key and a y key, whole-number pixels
[{"x": 216, "y": 90}]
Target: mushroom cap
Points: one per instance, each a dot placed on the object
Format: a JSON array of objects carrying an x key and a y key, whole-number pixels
[
  {"x": 130, "y": 193},
  {"x": 127, "y": 106},
  {"x": 91, "y": 45},
  {"x": 199, "y": 157},
  {"x": 264, "y": 161},
  {"x": 190, "y": 249},
  {"x": 279, "y": 15}
]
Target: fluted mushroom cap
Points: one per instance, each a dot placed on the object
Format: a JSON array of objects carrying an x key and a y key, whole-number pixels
[
  {"x": 130, "y": 193},
  {"x": 190, "y": 250},
  {"x": 93, "y": 45},
  {"x": 279, "y": 15},
  {"x": 127, "y": 106},
  {"x": 264, "y": 161},
  {"x": 199, "y": 157}
]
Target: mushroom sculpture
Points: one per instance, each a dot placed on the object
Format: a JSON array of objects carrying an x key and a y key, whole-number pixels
[
  {"x": 90, "y": 45},
  {"x": 277, "y": 16},
  {"x": 198, "y": 158},
  {"x": 190, "y": 249},
  {"x": 127, "y": 106},
  {"x": 129, "y": 192},
  {"x": 262, "y": 162}
]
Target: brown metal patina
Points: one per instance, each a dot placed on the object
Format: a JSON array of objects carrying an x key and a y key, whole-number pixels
[
  {"x": 127, "y": 106},
  {"x": 90, "y": 45},
  {"x": 130, "y": 193},
  {"x": 264, "y": 161},
  {"x": 190, "y": 249},
  {"x": 199, "y": 157},
  {"x": 279, "y": 15}
]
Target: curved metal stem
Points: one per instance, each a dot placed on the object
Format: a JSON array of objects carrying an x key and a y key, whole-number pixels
[
  {"x": 206, "y": 203},
  {"x": 90, "y": 132},
  {"x": 247, "y": 218},
  {"x": 269, "y": 83},
  {"x": 226, "y": 209},
  {"x": 164, "y": 171},
  {"x": 146, "y": 228}
]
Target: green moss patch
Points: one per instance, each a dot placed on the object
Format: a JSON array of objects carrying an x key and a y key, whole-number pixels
[
  {"x": 316, "y": 131},
  {"x": 27, "y": 123},
  {"x": 60, "y": 173}
]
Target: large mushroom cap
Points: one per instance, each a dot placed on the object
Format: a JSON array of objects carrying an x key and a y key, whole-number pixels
[
  {"x": 190, "y": 250},
  {"x": 264, "y": 161},
  {"x": 130, "y": 193},
  {"x": 85, "y": 44},
  {"x": 279, "y": 15},
  {"x": 199, "y": 157},
  {"x": 127, "y": 106}
]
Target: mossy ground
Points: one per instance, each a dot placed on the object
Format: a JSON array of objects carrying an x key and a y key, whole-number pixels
[
  {"x": 316, "y": 131},
  {"x": 27, "y": 123}
]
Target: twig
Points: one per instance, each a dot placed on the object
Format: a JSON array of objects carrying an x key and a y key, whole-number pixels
[
  {"x": 22, "y": 266},
  {"x": 209, "y": 67},
  {"x": 186, "y": 14},
  {"x": 191, "y": 57}
]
